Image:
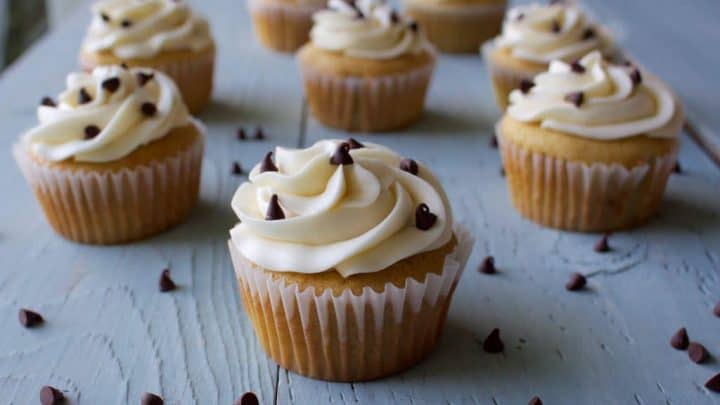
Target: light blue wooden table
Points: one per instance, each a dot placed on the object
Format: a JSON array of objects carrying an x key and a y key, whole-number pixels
[{"x": 110, "y": 336}]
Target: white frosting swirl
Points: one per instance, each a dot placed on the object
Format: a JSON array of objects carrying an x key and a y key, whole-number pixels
[
  {"x": 365, "y": 29},
  {"x": 141, "y": 29},
  {"x": 543, "y": 33},
  {"x": 112, "y": 123},
  {"x": 616, "y": 102},
  {"x": 356, "y": 218}
]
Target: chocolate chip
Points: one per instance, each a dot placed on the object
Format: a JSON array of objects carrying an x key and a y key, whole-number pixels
[
  {"x": 241, "y": 134},
  {"x": 520, "y": 17},
  {"x": 342, "y": 155},
  {"x": 274, "y": 211},
  {"x": 716, "y": 310},
  {"x": 713, "y": 384},
  {"x": 237, "y": 169},
  {"x": 124, "y": 66},
  {"x": 91, "y": 131},
  {"x": 409, "y": 166},
  {"x": 488, "y": 266},
  {"x": 493, "y": 343},
  {"x": 602, "y": 245},
  {"x": 83, "y": 96},
  {"x": 577, "y": 282},
  {"x": 359, "y": 14},
  {"x": 636, "y": 76},
  {"x": 589, "y": 33},
  {"x": 697, "y": 353},
  {"x": 577, "y": 98},
  {"x": 149, "y": 398},
  {"x": 48, "y": 102},
  {"x": 126, "y": 23},
  {"x": 555, "y": 27},
  {"x": 143, "y": 78},
  {"x": 105, "y": 17},
  {"x": 247, "y": 398},
  {"x": 494, "y": 142},
  {"x": 424, "y": 219},
  {"x": 677, "y": 168},
  {"x": 51, "y": 396},
  {"x": 526, "y": 85},
  {"x": 576, "y": 67},
  {"x": 354, "y": 144},
  {"x": 414, "y": 27},
  {"x": 535, "y": 401},
  {"x": 148, "y": 109},
  {"x": 259, "y": 133},
  {"x": 267, "y": 164},
  {"x": 111, "y": 84},
  {"x": 29, "y": 319},
  {"x": 680, "y": 340},
  {"x": 394, "y": 18},
  {"x": 166, "y": 283}
]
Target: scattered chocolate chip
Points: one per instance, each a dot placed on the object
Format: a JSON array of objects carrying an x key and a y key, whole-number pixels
[
  {"x": 535, "y": 401},
  {"x": 414, "y": 27},
  {"x": 680, "y": 340},
  {"x": 713, "y": 384},
  {"x": 83, "y": 96},
  {"x": 526, "y": 85},
  {"x": 91, "y": 131},
  {"x": 237, "y": 169},
  {"x": 166, "y": 283},
  {"x": 354, "y": 144},
  {"x": 555, "y": 27},
  {"x": 577, "y": 98},
  {"x": 577, "y": 282},
  {"x": 576, "y": 67},
  {"x": 488, "y": 266},
  {"x": 267, "y": 164},
  {"x": 126, "y": 23},
  {"x": 588, "y": 34},
  {"x": 51, "y": 396},
  {"x": 716, "y": 310},
  {"x": 149, "y": 398},
  {"x": 148, "y": 109},
  {"x": 409, "y": 166},
  {"x": 29, "y": 319},
  {"x": 494, "y": 141},
  {"x": 143, "y": 78},
  {"x": 241, "y": 134},
  {"x": 342, "y": 155},
  {"x": 493, "y": 343},
  {"x": 602, "y": 245},
  {"x": 111, "y": 84},
  {"x": 247, "y": 398},
  {"x": 424, "y": 219},
  {"x": 259, "y": 133},
  {"x": 105, "y": 17},
  {"x": 677, "y": 168},
  {"x": 636, "y": 76},
  {"x": 697, "y": 353},
  {"x": 274, "y": 211},
  {"x": 48, "y": 102}
]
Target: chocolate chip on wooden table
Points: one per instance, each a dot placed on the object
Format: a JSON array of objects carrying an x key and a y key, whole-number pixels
[
  {"x": 488, "y": 266},
  {"x": 493, "y": 343},
  {"x": 241, "y": 134},
  {"x": 149, "y": 398},
  {"x": 576, "y": 283},
  {"x": 274, "y": 211},
  {"x": 248, "y": 398},
  {"x": 713, "y": 384},
  {"x": 148, "y": 109},
  {"x": 144, "y": 78},
  {"x": 424, "y": 219},
  {"x": 259, "y": 134},
  {"x": 535, "y": 401},
  {"x": 83, "y": 96},
  {"x": 409, "y": 166},
  {"x": 341, "y": 156},
  {"x": 354, "y": 144},
  {"x": 697, "y": 353},
  {"x": 267, "y": 164},
  {"x": 237, "y": 169},
  {"x": 91, "y": 131},
  {"x": 48, "y": 102},
  {"x": 602, "y": 245},
  {"x": 166, "y": 283},
  {"x": 680, "y": 340},
  {"x": 526, "y": 85},
  {"x": 577, "y": 98},
  {"x": 111, "y": 84},
  {"x": 51, "y": 396},
  {"x": 29, "y": 319}
]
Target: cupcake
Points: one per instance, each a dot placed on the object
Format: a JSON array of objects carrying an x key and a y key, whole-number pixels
[
  {"x": 283, "y": 25},
  {"x": 117, "y": 158},
  {"x": 458, "y": 26},
  {"x": 589, "y": 146},
  {"x": 347, "y": 259},
  {"x": 366, "y": 68},
  {"x": 164, "y": 35},
  {"x": 533, "y": 36}
]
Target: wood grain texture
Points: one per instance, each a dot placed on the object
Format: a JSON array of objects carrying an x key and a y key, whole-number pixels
[{"x": 111, "y": 336}]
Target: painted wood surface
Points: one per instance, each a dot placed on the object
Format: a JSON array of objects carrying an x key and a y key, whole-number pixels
[{"x": 111, "y": 336}]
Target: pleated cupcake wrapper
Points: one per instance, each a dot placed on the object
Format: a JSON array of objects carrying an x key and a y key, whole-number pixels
[
  {"x": 459, "y": 28},
  {"x": 370, "y": 104},
  {"x": 350, "y": 337},
  {"x": 503, "y": 79},
  {"x": 583, "y": 197},
  {"x": 280, "y": 26},
  {"x": 110, "y": 207}
]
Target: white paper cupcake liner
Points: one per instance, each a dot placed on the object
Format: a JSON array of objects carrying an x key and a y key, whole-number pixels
[
  {"x": 350, "y": 337},
  {"x": 111, "y": 207},
  {"x": 281, "y": 26}
]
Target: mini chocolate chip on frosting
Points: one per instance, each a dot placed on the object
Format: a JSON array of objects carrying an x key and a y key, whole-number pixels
[
  {"x": 543, "y": 33},
  {"x": 367, "y": 29},
  {"x": 354, "y": 218},
  {"x": 594, "y": 99},
  {"x": 105, "y": 115},
  {"x": 143, "y": 29}
]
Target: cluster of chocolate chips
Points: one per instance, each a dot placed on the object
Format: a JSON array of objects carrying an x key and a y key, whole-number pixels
[{"x": 697, "y": 353}]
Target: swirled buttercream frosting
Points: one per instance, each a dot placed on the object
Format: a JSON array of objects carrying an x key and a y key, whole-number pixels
[
  {"x": 339, "y": 205},
  {"x": 543, "y": 33},
  {"x": 365, "y": 29},
  {"x": 141, "y": 29},
  {"x": 107, "y": 114},
  {"x": 595, "y": 99}
]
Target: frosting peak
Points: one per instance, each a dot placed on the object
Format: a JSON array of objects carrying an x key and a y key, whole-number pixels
[
  {"x": 107, "y": 114},
  {"x": 141, "y": 29},
  {"x": 595, "y": 99},
  {"x": 351, "y": 207},
  {"x": 365, "y": 29}
]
